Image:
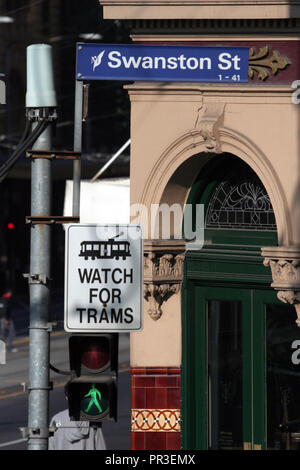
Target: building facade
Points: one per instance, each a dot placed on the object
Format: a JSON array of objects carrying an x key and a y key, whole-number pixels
[{"x": 216, "y": 365}]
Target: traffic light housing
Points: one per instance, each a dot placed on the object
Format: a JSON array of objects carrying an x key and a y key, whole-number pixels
[{"x": 92, "y": 390}]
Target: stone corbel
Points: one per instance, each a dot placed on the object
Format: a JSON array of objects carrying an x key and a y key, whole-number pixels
[
  {"x": 163, "y": 272},
  {"x": 209, "y": 120},
  {"x": 285, "y": 267}
]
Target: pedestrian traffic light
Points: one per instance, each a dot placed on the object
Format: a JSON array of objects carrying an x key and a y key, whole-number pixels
[{"x": 92, "y": 390}]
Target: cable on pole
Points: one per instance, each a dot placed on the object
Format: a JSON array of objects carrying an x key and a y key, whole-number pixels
[
  {"x": 25, "y": 142},
  {"x": 58, "y": 371}
]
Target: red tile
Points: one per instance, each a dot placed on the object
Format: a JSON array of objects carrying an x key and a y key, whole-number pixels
[
  {"x": 144, "y": 381},
  {"x": 174, "y": 370},
  {"x": 173, "y": 441},
  {"x": 156, "y": 397},
  {"x": 138, "y": 370},
  {"x": 138, "y": 398},
  {"x": 155, "y": 440},
  {"x": 156, "y": 370},
  {"x": 173, "y": 398},
  {"x": 165, "y": 381},
  {"x": 138, "y": 440}
]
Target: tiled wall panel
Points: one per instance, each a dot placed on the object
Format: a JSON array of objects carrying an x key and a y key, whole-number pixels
[{"x": 155, "y": 416}]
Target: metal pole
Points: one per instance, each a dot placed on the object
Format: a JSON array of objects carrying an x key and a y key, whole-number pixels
[
  {"x": 41, "y": 106},
  {"x": 111, "y": 160},
  {"x": 77, "y": 146},
  {"x": 39, "y": 338}
]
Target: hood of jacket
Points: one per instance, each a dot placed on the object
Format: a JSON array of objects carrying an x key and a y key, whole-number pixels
[{"x": 73, "y": 430}]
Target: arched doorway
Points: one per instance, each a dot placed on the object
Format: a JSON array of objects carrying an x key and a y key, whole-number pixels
[{"x": 240, "y": 361}]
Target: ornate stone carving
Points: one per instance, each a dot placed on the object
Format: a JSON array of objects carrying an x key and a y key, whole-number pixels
[
  {"x": 285, "y": 267},
  {"x": 163, "y": 272},
  {"x": 208, "y": 122},
  {"x": 260, "y": 63}
]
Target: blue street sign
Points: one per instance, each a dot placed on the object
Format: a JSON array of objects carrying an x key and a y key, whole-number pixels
[{"x": 162, "y": 63}]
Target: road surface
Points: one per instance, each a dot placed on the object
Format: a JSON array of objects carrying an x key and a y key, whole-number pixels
[{"x": 14, "y": 397}]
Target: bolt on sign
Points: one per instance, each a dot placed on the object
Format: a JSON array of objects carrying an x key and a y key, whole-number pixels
[{"x": 103, "y": 278}]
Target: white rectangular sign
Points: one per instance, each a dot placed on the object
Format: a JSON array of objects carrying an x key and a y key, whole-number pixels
[{"x": 103, "y": 278}]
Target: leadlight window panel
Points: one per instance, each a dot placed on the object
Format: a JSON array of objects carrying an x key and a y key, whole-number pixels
[{"x": 242, "y": 204}]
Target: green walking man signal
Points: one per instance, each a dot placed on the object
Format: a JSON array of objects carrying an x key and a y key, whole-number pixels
[
  {"x": 94, "y": 394},
  {"x": 92, "y": 390}
]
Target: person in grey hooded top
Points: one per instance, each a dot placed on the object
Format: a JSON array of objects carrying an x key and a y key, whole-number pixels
[{"x": 74, "y": 435}]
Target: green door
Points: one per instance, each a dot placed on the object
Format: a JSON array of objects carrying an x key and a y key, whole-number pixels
[
  {"x": 240, "y": 344},
  {"x": 276, "y": 373},
  {"x": 241, "y": 381}
]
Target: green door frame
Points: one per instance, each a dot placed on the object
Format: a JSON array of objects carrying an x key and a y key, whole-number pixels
[
  {"x": 204, "y": 280},
  {"x": 202, "y": 295},
  {"x": 230, "y": 259},
  {"x": 194, "y": 372}
]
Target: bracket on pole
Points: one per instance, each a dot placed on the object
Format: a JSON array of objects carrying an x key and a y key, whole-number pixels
[
  {"x": 37, "y": 278},
  {"x": 49, "y": 387},
  {"x": 48, "y": 327},
  {"x": 38, "y": 433},
  {"x": 52, "y": 219},
  {"x": 58, "y": 155}
]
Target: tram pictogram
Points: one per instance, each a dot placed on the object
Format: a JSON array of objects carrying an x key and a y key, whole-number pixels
[{"x": 105, "y": 249}]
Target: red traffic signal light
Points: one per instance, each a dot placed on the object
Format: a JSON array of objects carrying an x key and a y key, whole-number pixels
[
  {"x": 10, "y": 225},
  {"x": 92, "y": 391},
  {"x": 94, "y": 353}
]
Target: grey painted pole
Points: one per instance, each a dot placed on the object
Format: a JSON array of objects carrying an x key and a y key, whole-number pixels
[
  {"x": 39, "y": 340},
  {"x": 41, "y": 106},
  {"x": 77, "y": 146}
]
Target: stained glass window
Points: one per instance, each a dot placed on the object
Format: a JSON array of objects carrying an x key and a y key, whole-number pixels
[{"x": 240, "y": 201}]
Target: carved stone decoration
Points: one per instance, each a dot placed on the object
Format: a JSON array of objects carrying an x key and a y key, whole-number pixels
[
  {"x": 285, "y": 267},
  {"x": 208, "y": 122},
  {"x": 260, "y": 63},
  {"x": 163, "y": 272}
]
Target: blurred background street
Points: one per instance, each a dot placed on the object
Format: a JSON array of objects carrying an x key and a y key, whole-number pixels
[
  {"x": 106, "y": 129},
  {"x": 14, "y": 378}
]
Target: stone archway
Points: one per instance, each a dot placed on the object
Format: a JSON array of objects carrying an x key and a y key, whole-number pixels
[{"x": 174, "y": 173}]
